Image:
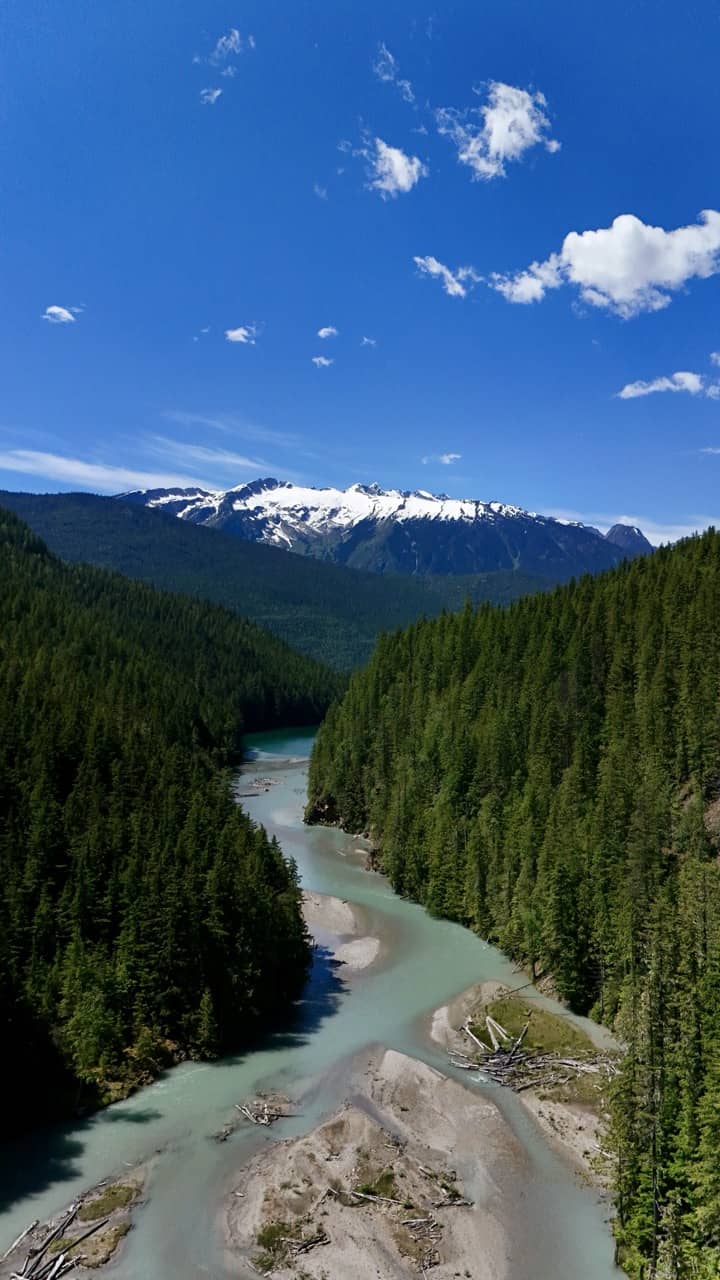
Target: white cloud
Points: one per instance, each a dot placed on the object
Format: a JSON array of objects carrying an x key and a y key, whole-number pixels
[
  {"x": 96, "y": 476},
  {"x": 245, "y": 333},
  {"x": 655, "y": 531},
  {"x": 710, "y": 450},
  {"x": 321, "y": 362},
  {"x": 320, "y": 191},
  {"x": 529, "y": 285},
  {"x": 626, "y": 268},
  {"x": 715, "y": 357},
  {"x": 209, "y": 97},
  {"x": 391, "y": 172},
  {"x": 61, "y": 315},
  {"x": 445, "y": 459},
  {"x": 227, "y": 46},
  {"x": 511, "y": 122},
  {"x": 328, "y": 331},
  {"x": 456, "y": 283},
  {"x": 386, "y": 68},
  {"x": 229, "y": 72},
  {"x": 694, "y": 383},
  {"x": 368, "y": 342}
]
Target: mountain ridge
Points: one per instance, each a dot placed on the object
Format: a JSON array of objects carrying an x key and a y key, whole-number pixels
[{"x": 399, "y": 531}]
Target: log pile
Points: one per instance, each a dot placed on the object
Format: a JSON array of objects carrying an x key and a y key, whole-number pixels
[
  {"x": 266, "y": 1109},
  {"x": 38, "y": 1265},
  {"x": 504, "y": 1061}
]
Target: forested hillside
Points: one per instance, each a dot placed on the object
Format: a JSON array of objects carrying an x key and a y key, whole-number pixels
[
  {"x": 549, "y": 775},
  {"x": 142, "y": 915},
  {"x": 329, "y": 612}
]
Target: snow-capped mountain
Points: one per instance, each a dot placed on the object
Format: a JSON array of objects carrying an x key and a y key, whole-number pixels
[{"x": 389, "y": 531}]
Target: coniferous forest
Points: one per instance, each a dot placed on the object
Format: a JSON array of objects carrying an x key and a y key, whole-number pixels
[
  {"x": 143, "y": 917},
  {"x": 549, "y": 775}
]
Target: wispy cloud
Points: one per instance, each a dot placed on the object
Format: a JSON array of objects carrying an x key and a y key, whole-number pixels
[
  {"x": 328, "y": 331},
  {"x": 445, "y": 459},
  {"x": 322, "y": 362},
  {"x": 656, "y": 531},
  {"x": 692, "y": 383},
  {"x": 320, "y": 191},
  {"x": 368, "y": 342},
  {"x": 209, "y": 97},
  {"x": 710, "y": 449},
  {"x": 386, "y": 68},
  {"x": 715, "y": 357},
  {"x": 627, "y": 268},
  {"x": 392, "y": 172},
  {"x": 245, "y": 333},
  {"x": 61, "y": 315},
  {"x": 232, "y": 423},
  {"x": 185, "y": 454},
  {"x": 455, "y": 283},
  {"x": 99, "y": 477},
  {"x": 488, "y": 137}
]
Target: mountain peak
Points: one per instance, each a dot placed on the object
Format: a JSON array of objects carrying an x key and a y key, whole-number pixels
[{"x": 630, "y": 539}]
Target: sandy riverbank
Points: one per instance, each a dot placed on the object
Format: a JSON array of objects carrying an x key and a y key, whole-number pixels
[
  {"x": 574, "y": 1126},
  {"x": 356, "y": 948},
  {"x": 421, "y": 1145}
]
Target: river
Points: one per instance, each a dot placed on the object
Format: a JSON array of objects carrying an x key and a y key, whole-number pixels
[{"x": 562, "y": 1228}]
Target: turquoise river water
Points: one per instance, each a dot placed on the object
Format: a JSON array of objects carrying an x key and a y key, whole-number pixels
[{"x": 560, "y": 1225}]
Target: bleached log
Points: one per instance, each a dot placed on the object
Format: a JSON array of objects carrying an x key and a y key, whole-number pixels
[
  {"x": 476, "y": 1039},
  {"x": 493, "y": 1038},
  {"x": 19, "y": 1240},
  {"x": 498, "y": 1029},
  {"x": 520, "y": 1039},
  {"x": 30, "y": 1272},
  {"x": 362, "y": 1195}
]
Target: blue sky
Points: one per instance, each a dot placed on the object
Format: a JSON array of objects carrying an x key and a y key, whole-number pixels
[{"x": 515, "y": 205}]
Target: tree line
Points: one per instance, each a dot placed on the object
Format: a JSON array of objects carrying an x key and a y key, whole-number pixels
[
  {"x": 549, "y": 775},
  {"x": 143, "y": 916}
]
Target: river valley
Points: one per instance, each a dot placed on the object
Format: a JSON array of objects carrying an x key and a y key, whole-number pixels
[{"x": 557, "y": 1225}]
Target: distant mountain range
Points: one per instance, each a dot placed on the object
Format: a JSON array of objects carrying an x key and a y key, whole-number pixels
[
  {"x": 393, "y": 531},
  {"x": 324, "y": 610}
]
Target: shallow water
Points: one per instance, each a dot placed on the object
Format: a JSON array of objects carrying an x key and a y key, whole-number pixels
[{"x": 561, "y": 1230}]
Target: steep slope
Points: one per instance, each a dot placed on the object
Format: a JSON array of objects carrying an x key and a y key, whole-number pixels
[
  {"x": 327, "y": 611},
  {"x": 142, "y": 916},
  {"x": 549, "y": 775},
  {"x": 392, "y": 531}
]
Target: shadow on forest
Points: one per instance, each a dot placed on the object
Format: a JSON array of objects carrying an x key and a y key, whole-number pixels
[
  {"x": 31, "y": 1163},
  {"x": 320, "y": 999}
]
